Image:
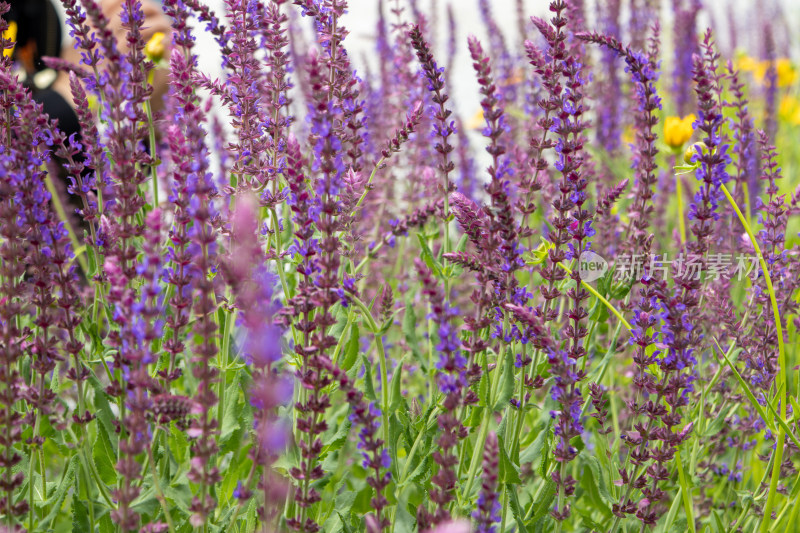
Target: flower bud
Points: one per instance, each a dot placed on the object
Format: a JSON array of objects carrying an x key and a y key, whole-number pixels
[{"x": 696, "y": 148}]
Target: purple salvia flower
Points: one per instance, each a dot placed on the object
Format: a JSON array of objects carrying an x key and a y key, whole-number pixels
[
  {"x": 686, "y": 46},
  {"x": 573, "y": 223},
  {"x": 275, "y": 40},
  {"x": 712, "y": 157},
  {"x": 488, "y": 512},
  {"x": 644, "y": 72},
  {"x": 193, "y": 257},
  {"x": 746, "y": 161},
  {"x": 253, "y": 286},
  {"x": 122, "y": 87},
  {"x": 213, "y": 25},
  {"x": 452, "y": 381},
  {"x": 138, "y": 316},
  {"x": 183, "y": 104},
  {"x": 444, "y": 126},
  {"x": 243, "y": 97},
  {"x": 609, "y": 110},
  {"x": 503, "y": 224}
]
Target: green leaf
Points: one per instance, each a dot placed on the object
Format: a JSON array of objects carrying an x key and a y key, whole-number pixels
[
  {"x": 534, "y": 451},
  {"x": 543, "y": 457},
  {"x": 596, "y": 491},
  {"x": 337, "y": 440},
  {"x": 506, "y": 385},
  {"x": 508, "y": 473},
  {"x": 178, "y": 444},
  {"x": 600, "y": 478},
  {"x": 404, "y": 522},
  {"x": 102, "y": 408},
  {"x": 409, "y": 328},
  {"x": 483, "y": 385},
  {"x": 80, "y": 514},
  {"x": 252, "y": 519},
  {"x": 369, "y": 388},
  {"x": 516, "y": 509},
  {"x": 427, "y": 256},
  {"x": 396, "y": 396},
  {"x": 673, "y": 511},
  {"x": 545, "y": 499},
  {"x": 352, "y": 348},
  {"x": 104, "y": 457},
  {"x": 230, "y": 418},
  {"x": 587, "y": 520},
  {"x": 56, "y": 500},
  {"x": 106, "y": 525}
]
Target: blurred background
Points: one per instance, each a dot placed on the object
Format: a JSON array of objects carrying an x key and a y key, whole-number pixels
[{"x": 738, "y": 24}]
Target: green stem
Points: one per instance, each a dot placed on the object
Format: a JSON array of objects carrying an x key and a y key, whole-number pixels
[
  {"x": 687, "y": 497},
  {"x": 365, "y": 312},
  {"x": 782, "y": 370},
  {"x": 62, "y": 215},
  {"x": 152, "y": 134},
  {"x": 679, "y": 198}
]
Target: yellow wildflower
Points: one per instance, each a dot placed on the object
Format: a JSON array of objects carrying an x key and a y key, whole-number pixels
[
  {"x": 678, "y": 130},
  {"x": 786, "y": 72},
  {"x": 789, "y": 110},
  {"x": 155, "y": 47},
  {"x": 627, "y": 135},
  {"x": 476, "y": 122},
  {"x": 11, "y": 35},
  {"x": 747, "y": 63}
]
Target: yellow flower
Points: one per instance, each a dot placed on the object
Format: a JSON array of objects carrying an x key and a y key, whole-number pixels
[
  {"x": 678, "y": 130},
  {"x": 155, "y": 47},
  {"x": 627, "y": 135},
  {"x": 747, "y": 63},
  {"x": 11, "y": 35},
  {"x": 476, "y": 122},
  {"x": 786, "y": 72},
  {"x": 789, "y": 110}
]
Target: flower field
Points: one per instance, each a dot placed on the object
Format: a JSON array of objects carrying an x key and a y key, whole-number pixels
[{"x": 314, "y": 294}]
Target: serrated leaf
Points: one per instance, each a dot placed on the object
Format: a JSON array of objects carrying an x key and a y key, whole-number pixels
[
  {"x": 516, "y": 509},
  {"x": 337, "y": 440},
  {"x": 80, "y": 514},
  {"x": 599, "y": 477},
  {"x": 250, "y": 525},
  {"x": 427, "y": 256},
  {"x": 409, "y": 328},
  {"x": 404, "y": 521},
  {"x": 104, "y": 457},
  {"x": 230, "y": 414},
  {"x": 56, "y": 500},
  {"x": 106, "y": 525},
  {"x": 420, "y": 470},
  {"x": 508, "y": 473},
  {"x": 545, "y": 499},
  {"x": 178, "y": 444},
  {"x": 102, "y": 409},
  {"x": 533, "y": 452},
  {"x": 369, "y": 387},
  {"x": 543, "y": 457},
  {"x": 483, "y": 384}
]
